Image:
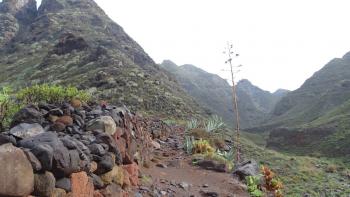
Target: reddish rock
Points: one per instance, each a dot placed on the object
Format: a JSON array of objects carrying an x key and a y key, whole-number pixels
[
  {"x": 66, "y": 120},
  {"x": 82, "y": 186},
  {"x": 133, "y": 171}
]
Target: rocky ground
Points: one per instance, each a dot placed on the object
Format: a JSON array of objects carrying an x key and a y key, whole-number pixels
[{"x": 171, "y": 173}]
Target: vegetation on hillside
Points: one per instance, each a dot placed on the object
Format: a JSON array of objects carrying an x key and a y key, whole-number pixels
[{"x": 11, "y": 101}]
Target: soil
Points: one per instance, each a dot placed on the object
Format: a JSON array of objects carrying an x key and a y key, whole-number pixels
[{"x": 171, "y": 173}]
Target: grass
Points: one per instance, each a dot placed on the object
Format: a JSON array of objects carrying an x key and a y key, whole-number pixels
[{"x": 302, "y": 174}]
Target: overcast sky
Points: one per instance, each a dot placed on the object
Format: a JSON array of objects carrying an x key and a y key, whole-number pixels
[{"x": 281, "y": 42}]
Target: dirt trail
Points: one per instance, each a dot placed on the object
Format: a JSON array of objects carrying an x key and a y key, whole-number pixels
[{"x": 172, "y": 174}]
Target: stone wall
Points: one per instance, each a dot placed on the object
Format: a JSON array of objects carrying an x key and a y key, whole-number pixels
[{"x": 74, "y": 149}]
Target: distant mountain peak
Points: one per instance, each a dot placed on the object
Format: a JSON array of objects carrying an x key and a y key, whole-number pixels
[{"x": 245, "y": 81}]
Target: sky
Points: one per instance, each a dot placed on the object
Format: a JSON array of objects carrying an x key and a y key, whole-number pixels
[{"x": 281, "y": 42}]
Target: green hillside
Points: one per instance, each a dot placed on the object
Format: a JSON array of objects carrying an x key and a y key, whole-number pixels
[
  {"x": 75, "y": 42},
  {"x": 214, "y": 93}
]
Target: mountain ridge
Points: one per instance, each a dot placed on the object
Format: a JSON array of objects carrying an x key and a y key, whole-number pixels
[
  {"x": 75, "y": 42},
  {"x": 215, "y": 93},
  {"x": 314, "y": 118}
]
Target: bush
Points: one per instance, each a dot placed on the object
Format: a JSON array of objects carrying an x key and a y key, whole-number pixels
[
  {"x": 271, "y": 184},
  {"x": 7, "y": 107},
  {"x": 202, "y": 147},
  {"x": 253, "y": 183},
  {"x": 199, "y": 133},
  {"x": 11, "y": 103},
  {"x": 51, "y": 94},
  {"x": 331, "y": 168},
  {"x": 265, "y": 183}
]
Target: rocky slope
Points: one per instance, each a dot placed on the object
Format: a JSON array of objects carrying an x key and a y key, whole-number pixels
[
  {"x": 75, "y": 42},
  {"x": 315, "y": 116},
  {"x": 215, "y": 93}
]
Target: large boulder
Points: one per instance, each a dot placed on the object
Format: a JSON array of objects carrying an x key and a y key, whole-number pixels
[
  {"x": 247, "y": 168},
  {"x": 16, "y": 173},
  {"x": 103, "y": 123},
  {"x": 25, "y": 130}
]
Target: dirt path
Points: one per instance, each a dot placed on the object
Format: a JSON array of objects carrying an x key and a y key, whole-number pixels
[{"x": 172, "y": 174}]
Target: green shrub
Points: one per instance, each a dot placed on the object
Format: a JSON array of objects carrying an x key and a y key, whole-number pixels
[
  {"x": 8, "y": 107},
  {"x": 51, "y": 94},
  {"x": 202, "y": 147},
  {"x": 252, "y": 185},
  {"x": 11, "y": 102}
]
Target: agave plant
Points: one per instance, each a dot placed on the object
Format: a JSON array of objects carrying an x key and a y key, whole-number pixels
[
  {"x": 192, "y": 124},
  {"x": 214, "y": 123},
  {"x": 228, "y": 155},
  {"x": 188, "y": 146}
]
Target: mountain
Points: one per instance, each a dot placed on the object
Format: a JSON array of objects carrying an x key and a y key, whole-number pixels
[
  {"x": 75, "y": 42},
  {"x": 215, "y": 93},
  {"x": 324, "y": 91},
  {"x": 315, "y": 118}
]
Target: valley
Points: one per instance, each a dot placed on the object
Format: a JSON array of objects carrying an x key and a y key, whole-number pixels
[{"x": 66, "y": 65}]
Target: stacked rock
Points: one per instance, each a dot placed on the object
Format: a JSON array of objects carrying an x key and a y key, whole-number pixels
[{"x": 75, "y": 149}]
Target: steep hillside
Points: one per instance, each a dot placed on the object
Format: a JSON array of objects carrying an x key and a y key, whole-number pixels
[
  {"x": 75, "y": 42},
  {"x": 324, "y": 91},
  {"x": 327, "y": 135},
  {"x": 215, "y": 93},
  {"x": 314, "y": 119}
]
